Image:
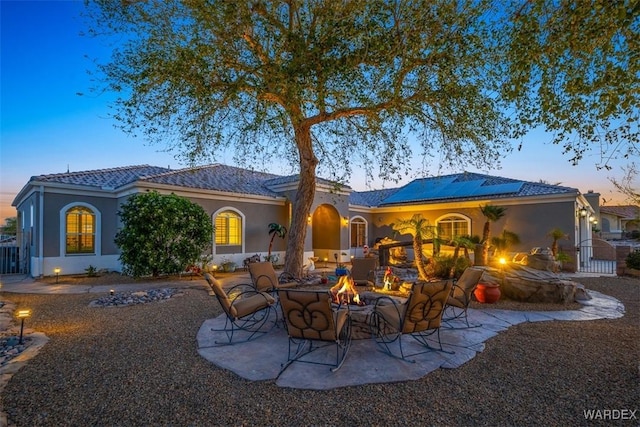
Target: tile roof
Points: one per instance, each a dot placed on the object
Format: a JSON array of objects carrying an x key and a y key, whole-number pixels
[
  {"x": 218, "y": 177},
  {"x": 370, "y": 198},
  {"x": 280, "y": 180},
  {"x": 628, "y": 212},
  {"x": 103, "y": 178}
]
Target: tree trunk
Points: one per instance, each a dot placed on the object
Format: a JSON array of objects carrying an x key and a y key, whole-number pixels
[
  {"x": 302, "y": 203},
  {"x": 417, "y": 249},
  {"x": 478, "y": 254},
  {"x": 270, "y": 246},
  {"x": 486, "y": 235},
  {"x": 456, "y": 254}
]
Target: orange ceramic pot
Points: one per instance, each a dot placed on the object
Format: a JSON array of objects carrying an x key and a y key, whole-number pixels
[{"x": 487, "y": 293}]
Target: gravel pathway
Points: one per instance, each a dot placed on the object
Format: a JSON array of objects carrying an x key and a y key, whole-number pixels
[{"x": 138, "y": 365}]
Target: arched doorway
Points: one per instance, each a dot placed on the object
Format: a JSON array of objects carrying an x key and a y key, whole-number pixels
[{"x": 325, "y": 232}]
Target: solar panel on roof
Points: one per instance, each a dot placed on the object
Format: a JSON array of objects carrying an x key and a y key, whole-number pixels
[{"x": 448, "y": 188}]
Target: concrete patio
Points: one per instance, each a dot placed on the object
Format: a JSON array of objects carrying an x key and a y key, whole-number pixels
[{"x": 262, "y": 358}]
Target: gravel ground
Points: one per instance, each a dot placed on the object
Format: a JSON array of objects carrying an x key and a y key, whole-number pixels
[{"x": 138, "y": 365}]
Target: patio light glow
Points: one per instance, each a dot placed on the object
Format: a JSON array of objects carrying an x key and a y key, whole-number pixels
[{"x": 22, "y": 314}]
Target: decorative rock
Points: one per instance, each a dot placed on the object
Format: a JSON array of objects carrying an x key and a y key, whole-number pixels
[
  {"x": 10, "y": 347},
  {"x": 120, "y": 299},
  {"x": 539, "y": 259},
  {"x": 521, "y": 283}
]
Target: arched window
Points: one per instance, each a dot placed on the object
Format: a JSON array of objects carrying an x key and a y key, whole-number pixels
[
  {"x": 228, "y": 229},
  {"x": 358, "y": 232},
  {"x": 80, "y": 226},
  {"x": 452, "y": 225}
]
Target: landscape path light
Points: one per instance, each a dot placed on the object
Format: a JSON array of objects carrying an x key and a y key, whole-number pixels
[{"x": 22, "y": 314}]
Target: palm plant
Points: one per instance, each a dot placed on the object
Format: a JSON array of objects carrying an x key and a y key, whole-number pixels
[
  {"x": 556, "y": 234},
  {"x": 420, "y": 229},
  {"x": 275, "y": 230},
  {"x": 492, "y": 213},
  {"x": 505, "y": 241},
  {"x": 460, "y": 242}
]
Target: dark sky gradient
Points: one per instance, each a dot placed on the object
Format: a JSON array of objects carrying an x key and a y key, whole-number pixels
[{"x": 47, "y": 128}]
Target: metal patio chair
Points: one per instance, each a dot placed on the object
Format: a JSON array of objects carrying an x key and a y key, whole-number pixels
[
  {"x": 460, "y": 298},
  {"x": 420, "y": 317},
  {"x": 312, "y": 323},
  {"x": 246, "y": 310}
]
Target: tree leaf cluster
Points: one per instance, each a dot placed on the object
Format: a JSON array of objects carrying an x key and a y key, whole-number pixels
[{"x": 161, "y": 234}]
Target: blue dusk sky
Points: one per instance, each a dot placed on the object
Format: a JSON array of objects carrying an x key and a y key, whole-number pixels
[{"x": 47, "y": 128}]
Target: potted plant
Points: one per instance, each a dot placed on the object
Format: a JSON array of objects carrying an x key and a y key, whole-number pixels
[
  {"x": 341, "y": 268},
  {"x": 487, "y": 293},
  {"x": 228, "y": 266}
]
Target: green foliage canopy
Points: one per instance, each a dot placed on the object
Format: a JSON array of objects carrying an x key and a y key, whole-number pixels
[
  {"x": 10, "y": 226},
  {"x": 333, "y": 84},
  {"x": 161, "y": 234}
]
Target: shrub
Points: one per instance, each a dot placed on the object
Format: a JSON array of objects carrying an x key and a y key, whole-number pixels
[
  {"x": 161, "y": 234},
  {"x": 440, "y": 266},
  {"x": 91, "y": 271},
  {"x": 633, "y": 260}
]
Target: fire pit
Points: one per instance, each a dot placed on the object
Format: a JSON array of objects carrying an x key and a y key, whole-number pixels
[
  {"x": 344, "y": 292},
  {"x": 360, "y": 304}
]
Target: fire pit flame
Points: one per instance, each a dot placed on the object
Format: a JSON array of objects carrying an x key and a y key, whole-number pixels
[{"x": 344, "y": 292}]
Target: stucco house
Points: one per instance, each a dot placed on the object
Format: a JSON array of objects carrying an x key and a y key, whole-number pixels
[
  {"x": 68, "y": 221},
  {"x": 617, "y": 221}
]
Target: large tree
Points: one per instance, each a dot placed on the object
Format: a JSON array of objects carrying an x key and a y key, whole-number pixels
[
  {"x": 10, "y": 226},
  {"x": 330, "y": 84}
]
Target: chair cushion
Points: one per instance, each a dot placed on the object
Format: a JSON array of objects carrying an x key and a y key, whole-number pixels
[
  {"x": 224, "y": 300},
  {"x": 455, "y": 302},
  {"x": 251, "y": 304},
  {"x": 426, "y": 305},
  {"x": 392, "y": 313},
  {"x": 263, "y": 275},
  {"x": 308, "y": 314},
  {"x": 340, "y": 317}
]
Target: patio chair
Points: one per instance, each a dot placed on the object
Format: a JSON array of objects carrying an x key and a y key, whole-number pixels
[
  {"x": 245, "y": 309},
  {"x": 419, "y": 317},
  {"x": 363, "y": 271},
  {"x": 264, "y": 279},
  {"x": 460, "y": 298},
  {"x": 312, "y": 323}
]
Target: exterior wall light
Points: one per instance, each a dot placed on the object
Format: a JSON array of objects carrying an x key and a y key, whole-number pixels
[{"x": 583, "y": 212}]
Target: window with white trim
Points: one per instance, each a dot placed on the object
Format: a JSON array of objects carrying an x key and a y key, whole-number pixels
[
  {"x": 80, "y": 226},
  {"x": 451, "y": 226},
  {"x": 228, "y": 229},
  {"x": 358, "y": 232}
]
